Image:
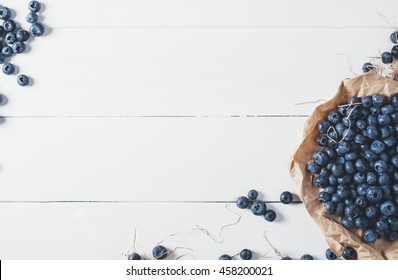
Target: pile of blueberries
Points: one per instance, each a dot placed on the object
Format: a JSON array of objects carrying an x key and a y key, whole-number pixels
[
  {"x": 258, "y": 206},
  {"x": 356, "y": 170},
  {"x": 386, "y": 57},
  {"x": 12, "y": 38}
]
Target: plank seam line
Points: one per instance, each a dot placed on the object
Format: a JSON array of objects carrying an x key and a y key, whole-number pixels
[
  {"x": 215, "y": 27},
  {"x": 165, "y": 116},
  {"x": 129, "y": 201}
]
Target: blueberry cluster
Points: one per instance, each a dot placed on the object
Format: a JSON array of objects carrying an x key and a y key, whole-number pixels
[
  {"x": 258, "y": 207},
  {"x": 13, "y": 39},
  {"x": 245, "y": 254},
  {"x": 357, "y": 169},
  {"x": 159, "y": 252},
  {"x": 386, "y": 57}
]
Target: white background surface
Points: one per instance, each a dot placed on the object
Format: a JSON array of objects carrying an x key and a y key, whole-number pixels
[{"x": 153, "y": 115}]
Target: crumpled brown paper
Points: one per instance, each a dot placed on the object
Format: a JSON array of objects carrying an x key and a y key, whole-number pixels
[{"x": 335, "y": 234}]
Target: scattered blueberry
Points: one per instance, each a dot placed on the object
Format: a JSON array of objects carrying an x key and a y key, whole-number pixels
[
  {"x": 37, "y": 29},
  {"x": 369, "y": 236},
  {"x": 246, "y": 254},
  {"x": 5, "y": 13},
  {"x": 9, "y": 25},
  {"x": 242, "y": 202},
  {"x": 258, "y": 207},
  {"x": 306, "y": 257},
  {"x": 225, "y": 258},
  {"x": 10, "y": 38},
  {"x": 252, "y": 195},
  {"x": 18, "y": 47},
  {"x": 394, "y": 37},
  {"x": 34, "y": 6},
  {"x": 8, "y": 69},
  {"x": 348, "y": 253},
  {"x": 286, "y": 258},
  {"x": 23, "y": 80},
  {"x": 22, "y": 35},
  {"x": 386, "y": 57},
  {"x": 7, "y": 51},
  {"x": 394, "y": 52},
  {"x": 330, "y": 255},
  {"x": 286, "y": 197},
  {"x": 367, "y": 67},
  {"x": 32, "y": 17},
  {"x": 134, "y": 257},
  {"x": 270, "y": 215},
  {"x": 160, "y": 252}
]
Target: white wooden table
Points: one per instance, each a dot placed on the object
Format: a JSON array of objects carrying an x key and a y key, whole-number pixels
[{"x": 153, "y": 115}]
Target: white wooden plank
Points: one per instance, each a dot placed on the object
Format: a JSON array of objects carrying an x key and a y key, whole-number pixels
[
  {"x": 146, "y": 159},
  {"x": 105, "y": 231},
  {"x": 209, "y": 13},
  {"x": 186, "y": 72}
]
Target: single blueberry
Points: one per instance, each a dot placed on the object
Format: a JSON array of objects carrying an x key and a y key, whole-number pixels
[
  {"x": 258, "y": 207},
  {"x": 369, "y": 155},
  {"x": 23, "y": 80},
  {"x": 361, "y": 222},
  {"x": 336, "y": 198},
  {"x": 392, "y": 236},
  {"x": 380, "y": 166},
  {"x": 352, "y": 211},
  {"x": 361, "y": 165},
  {"x": 242, "y": 202},
  {"x": 367, "y": 101},
  {"x": 388, "y": 208},
  {"x": 37, "y": 29},
  {"x": 372, "y": 132},
  {"x": 330, "y": 189},
  {"x": 246, "y": 254},
  {"x": 375, "y": 110},
  {"x": 340, "y": 128},
  {"x": 359, "y": 178},
  {"x": 329, "y": 207},
  {"x": 8, "y": 68},
  {"x": 332, "y": 180},
  {"x": 134, "y": 257},
  {"x": 7, "y": 51},
  {"x": 320, "y": 182},
  {"x": 395, "y": 189},
  {"x": 393, "y": 222},
  {"x": 377, "y": 147},
  {"x": 350, "y": 169},
  {"x": 394, "y": 100},
  {"x": 369, "y": 236},
  {"x": 323, "y": 126},
  {"x": 348, "y": 253},
  {"x": 32, "y": 17},
  {"x": 333, "y": 117},
  {"x": 5, "y": 13},
  {"x": 390, "y": 141},
  {"x": 331, "y": 153},
  {"x": 22, "y": 35},
  {"x": 347, "y": 222},
  {"x": 322, "y": 140},
  {"x": 330, "y": 255},
  {"x": 18, "y": 47},
  {"x": 34, "y": 6},
  {"x": 324, "y": 172},
  {"x": 387, "y": 109},
  {"x": 367, "y": 67},
  {"x": 361, "y": 189},
  {"x": 313, "y": 168},
  {"x": 394, "y": 52},
  {"x": 270, "y": 215},
  {"x": 394, "y": 117},
  {"x": 286, "y": 258},
  {"x": 394, "y": 161},
  {"x": 252, "y": 194},
  {"x": 394, "y": 37},
  {"x": 160, "y": 252},
  {"x": 383, "y": 119},
  {"x": 386, "y": 57},
  {"x": 371, "y": 178},
  {"x": 339, "y": 209},
  {"x": 372, "y": 120},
  {"x": 338, "y": 170},
  {"x": 10, "y": 38},
  {"x": 361, "y": 124},
  {"x": 9, "y": 25},
  {"x": 307, "y": 257},
  {"x": 361, "y": 201},
  {"x": 377, "y": 100},
  {"x": 383, "y": 178},
  {"x": 225, "y": 258},
  {"x": 381, "y": 224},
  {"x": 286, "y": 197},
  {"x": 360, "y": 139},
  {"x": 340, "y": 160},
  {"x": 343, "y": 147},
  {"x": 371, "y": 211},
  {"x": 374, "y": 194}
]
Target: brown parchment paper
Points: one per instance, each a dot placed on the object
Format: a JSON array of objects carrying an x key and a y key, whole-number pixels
[{"x": 335, "y": 234}]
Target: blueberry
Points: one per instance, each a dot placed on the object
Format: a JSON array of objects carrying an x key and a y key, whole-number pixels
[
  {"x": 369, "y": 236},
  {"x": 394, "y": 160},
  {"x": 270, "y": 215},
  {"x": 381, "y": 225},
  {"x": 393, "y": 223},
  {"x": 361, "y": 201},
  {"x": 360, "y": 139},
  {"x": 333, "y": 117},
  {"x": 359, "y": 178},
  {"x": 18, "y": 47},
  {"x": 323, "y": 126},
  {"x": 348, "y": 253},
  {"x": 10, "y": 38},
  {"x": 9, "y": 25},
  {"x": 22, "y": 35},
  {"x": 331, "y": 153},
  {"x": 395, "y": 189},
  {"x": 252, "y": 195},
  {"x": 320, "y": 182},
  {"x": 343, "y": 192},
  {"x": 340, "y": 160},
  {"x": 390, "y": 141},
  {"x": 2, "y": 58},
  {"x": 371, "y": 211},
  {"x": 361, "y": 124},
  {"x": 374, "y": 194},
  {"x": 361, "y": 165},
  {"x": 37, "y": 29},
  {"x": 330, "y": 189},
  {"x": 313, "y": 168},
  {"x": 372, "y": 120},
  {"x": 322, "y": 140},
  {"x": 134, "y": 257},
  {"x": 242, "y": 202},
  {"x": 383, "y": 179},
  {"x": 5, "y": 13},
  {"x": 343, "y": 147},
  {"x": 386, "y": 57},
  {"x": 286, "y": 258},
  {"x": 320, "y": 158},
  {"x": 371, "y": 178},
  {"x": 394, "y": 37},
  {"x": 377, "y": 147},
  {"x": 258, "y": 207},
  {"x": 375, "y": 110},
  {"x": 361, "y": 222},
  {"x": 352, "y": 211},
  {"x": 383, "y": 119},
  {"x": 394, "y": 52},
  {"x": 246, "y": 254},
  {"x": 160, "y": 252},
  {"x": 380, "y": 166},
  {"x": 372, "y": 132},
  {"x": 286, "y": 197},
  {"x": 7, "y": 51},
  {"x": 394, "y": 100},
  {"x": 369, "y": 155},
  {"x": 324, "y": 172},
  {"x": 339, "y": 209},
  {"x": 330, "y": 255},
  {"x": 32, "y": 17},
  {"x": 8, "y": 68},
  {"x": 329, "y": 207},
  {"x": 23, "y": 80},
  {"x": 361, "y": 189},
  {"x": 377, "y": 100},
  {"x": 307, "y": 257},
  {"x": 34, "y": 6},
  {"x": 340, "y": 128},
  {"x": 367, "y": 67},
  {"x": 392, "y": 236},
  {"x": 347, "y": 222},
  {"x": 225, "y": 258},
  {"x": 350, "y": 169},
  {"x": 367, "y": 101},
  {"x": 388, "y": 208},
  {"x": 394, "y": 117}
]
